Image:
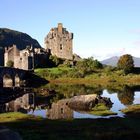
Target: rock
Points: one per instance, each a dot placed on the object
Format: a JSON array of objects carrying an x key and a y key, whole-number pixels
[
  {"x": 7, "y": 134},
  {"x": 82, "y": 102},
  {"x": 87, "y": 102}
]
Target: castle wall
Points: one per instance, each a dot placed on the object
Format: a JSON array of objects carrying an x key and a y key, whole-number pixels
[
  {"x": 17, "y": 62},
  {"x": 10, "y": 54},
  {"x": 21, "y": 59},
  {"x": 27, "y": 58}
]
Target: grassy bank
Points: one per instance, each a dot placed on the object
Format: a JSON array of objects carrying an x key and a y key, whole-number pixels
[
  {"x": 132, "y": 110},
  {"x": 102, "y": 76},
  {"x": 35, "y": 128}
]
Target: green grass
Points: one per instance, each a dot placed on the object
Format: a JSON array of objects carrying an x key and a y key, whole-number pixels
[
  {"x": 132, "y": 110},
  {"x": 34, "y": 128},
  {"x": 16, "y": 116},
  {"x": 102, "y": 110},
  {"x": 66, "y": 75},
  {"x": 52, "y": 73},
  {"x": 58, "y": 70}
]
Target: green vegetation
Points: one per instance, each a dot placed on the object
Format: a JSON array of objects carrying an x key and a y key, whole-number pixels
[
  {"x": 104, "y": 76},
  {"x": 52, "y": 73},
  {"x": 102, "y": 110},
  {"x": 87, "y": 66},
  {"x": 126, "y": 63},
  {"x": 132, "y": 110},
  {"x": 35, "y": 128},
  {"x": 11, "y": 117},
  {"x": 10, "y": 63},
  {"x": 92, "y": 71}
]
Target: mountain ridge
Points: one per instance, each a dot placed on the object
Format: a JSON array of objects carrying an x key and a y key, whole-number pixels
[
  {"x": 8, "y": 37},
  {"x": 112, "y": 61}
]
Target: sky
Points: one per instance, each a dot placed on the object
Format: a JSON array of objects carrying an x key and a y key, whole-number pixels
[{"x": 102, "y": 28}]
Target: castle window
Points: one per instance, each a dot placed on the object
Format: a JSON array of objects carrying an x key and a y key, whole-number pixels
[
  {"x": 62, "y": 111},
  {"x": 61, "y": 47}
]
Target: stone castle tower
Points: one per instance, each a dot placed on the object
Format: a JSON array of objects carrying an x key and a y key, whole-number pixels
[{"x": 59, "y": 42}]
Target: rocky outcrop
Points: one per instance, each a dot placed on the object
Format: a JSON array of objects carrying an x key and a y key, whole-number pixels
[
  {"x": 9, "y": 37},
  {"x": 87, "y": 102}
]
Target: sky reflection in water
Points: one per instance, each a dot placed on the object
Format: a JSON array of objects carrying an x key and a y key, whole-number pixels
[
  {"x": 29, "y": 103},
  {"x": 116, "y": 107}
]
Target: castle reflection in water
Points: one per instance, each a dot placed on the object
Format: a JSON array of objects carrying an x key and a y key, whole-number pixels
[
  {"x": 28, "y": 103},
  {"x": 22, "y": 104},
  {"x": 60, "y": 110},
  {"x": 57, "y": 108}
]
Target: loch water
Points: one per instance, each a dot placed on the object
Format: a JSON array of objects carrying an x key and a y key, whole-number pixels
[{"x": 55, "y": 106}]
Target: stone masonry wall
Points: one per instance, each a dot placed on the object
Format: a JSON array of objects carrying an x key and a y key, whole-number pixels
[{"x": 59, "y": 42}]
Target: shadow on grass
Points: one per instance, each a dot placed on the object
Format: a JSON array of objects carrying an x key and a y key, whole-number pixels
[
  {"x": 33, "y": 128},
  {"x": 36, "y": 81}
]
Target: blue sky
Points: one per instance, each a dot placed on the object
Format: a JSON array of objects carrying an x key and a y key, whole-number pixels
[{"x": 102, "y": 28}]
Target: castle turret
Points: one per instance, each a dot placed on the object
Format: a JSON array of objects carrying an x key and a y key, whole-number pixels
[
  {"x": 60, "y": 27},
  {"x": 59, "y": 42}
]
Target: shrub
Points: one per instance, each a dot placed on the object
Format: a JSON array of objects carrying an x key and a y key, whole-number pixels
[{"x": 10, "y": 63}]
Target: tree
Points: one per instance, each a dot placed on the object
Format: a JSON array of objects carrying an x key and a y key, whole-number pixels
[
  {"x": 88, "y": 65},
  {"x": 10, "y": 63},
  {"x": 126, "y": 63},
  {"x": 126, "y": 96}
]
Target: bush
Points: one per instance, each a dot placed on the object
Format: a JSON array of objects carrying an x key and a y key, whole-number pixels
[
  {"x": 10, "y": 63},
  {"x": 87, "y": 66}
]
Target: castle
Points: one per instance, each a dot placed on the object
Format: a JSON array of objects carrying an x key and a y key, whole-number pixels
[
  {"x": 59, "y": 42},
  {"x": 25, "y": 59}
]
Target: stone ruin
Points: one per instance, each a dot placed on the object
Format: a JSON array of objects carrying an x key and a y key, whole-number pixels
[{"x": 25, "y": 59}]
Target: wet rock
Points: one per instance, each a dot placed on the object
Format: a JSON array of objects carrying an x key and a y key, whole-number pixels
[{"x": 87, "y": 102}]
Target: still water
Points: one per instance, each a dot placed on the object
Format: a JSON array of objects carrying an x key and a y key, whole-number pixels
[{"x": 56, "y": 107}]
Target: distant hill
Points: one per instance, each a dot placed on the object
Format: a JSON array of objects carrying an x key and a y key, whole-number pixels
[
  {"x": 113, "y": 61},
  {"x": 9, "y": 37}
]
